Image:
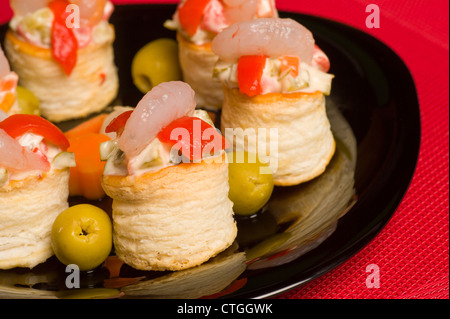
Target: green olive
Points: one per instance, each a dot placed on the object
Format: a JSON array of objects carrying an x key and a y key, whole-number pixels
[
  {"x": 250, "y": 185},
  {"x": 155, "y": 63},
  {"x": 28, "y": 102}
]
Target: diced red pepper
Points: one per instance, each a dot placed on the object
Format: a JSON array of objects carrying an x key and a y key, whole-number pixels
[
  {"x": 64, "y": 41},
  {"x": 250, "y": 71},
  {"x": 190, "y": 15},
  {"x": 18, "y": 124},
  {"x": 194, "y": 139},
  {"x": 320, "y": 60},
  {"x": 118, "y": 124}
]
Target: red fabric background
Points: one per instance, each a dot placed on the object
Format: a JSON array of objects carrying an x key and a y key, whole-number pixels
[{"x": 412, "y": 251}]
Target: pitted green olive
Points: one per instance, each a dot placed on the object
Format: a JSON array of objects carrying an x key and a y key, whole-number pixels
[
  {"x": 28, "y": 102},
  {"x": 155, "y": 63},
  {"x": 250, "y": 185}
]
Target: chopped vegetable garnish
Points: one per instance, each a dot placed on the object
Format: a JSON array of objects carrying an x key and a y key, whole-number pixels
[
  {"x": 193, "y": 137},
  {"x": 250, "y": 71}
]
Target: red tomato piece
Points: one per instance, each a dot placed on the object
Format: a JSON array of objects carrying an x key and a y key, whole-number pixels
[
  {"x": 18, "y": 124},
  {"x": 250, "y": 71},
  {"x": 190, "y": 15},
  {"x": 320, "y": 60},
  {"x": 193, "y": 137},
  {"x": 64, "y": 41},
  {"x": 118, "y": 124}
]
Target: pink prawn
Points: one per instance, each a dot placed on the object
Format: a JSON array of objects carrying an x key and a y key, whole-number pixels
[
  {"x": 220, "y": 14},
  {"x": 272, "y": 37},
  {"x": 25, "y": 7},
  {"x": 240, "y": 10},
  {"x": 16, "y": 158},
  {"x": 91, "y": 11},
  {"x": 244, "y": 10},
  {"x": 157, "y": 109}
]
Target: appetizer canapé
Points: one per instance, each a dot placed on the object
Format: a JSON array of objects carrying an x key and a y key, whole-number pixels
[
  {"x": 167, "y": 174},
  {"x": 34, "y": 187},
  {"x": 274, "y": 76},
  {"x": 62, "y": 51},
  {"x": 197, "y": 23}
]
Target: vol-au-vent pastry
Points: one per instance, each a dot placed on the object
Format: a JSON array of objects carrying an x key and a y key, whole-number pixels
[
  {"x": 167, "y": 174},
  {"x": 62, "y": 51},
  {"x": 276, "y": 77},
  {"x": 34, "y": 187},
  {"x": 8, "y": 86},
  {"x": 197, "y": 23}
]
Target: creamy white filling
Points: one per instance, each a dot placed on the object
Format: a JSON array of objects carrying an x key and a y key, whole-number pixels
[
  {"x": 309, "y": 79},
  {"x": 36, "y": 28}
]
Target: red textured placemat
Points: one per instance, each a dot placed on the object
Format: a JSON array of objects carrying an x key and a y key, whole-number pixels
[{"x": 412, "y": 251}]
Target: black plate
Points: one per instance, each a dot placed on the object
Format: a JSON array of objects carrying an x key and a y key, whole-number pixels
[{"x": 376, "y": 95}]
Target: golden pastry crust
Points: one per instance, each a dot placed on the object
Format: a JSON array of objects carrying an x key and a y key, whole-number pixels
[
  {"x": 28, "y": 209},
  {"x": 305, "y": 141},
  {"x": 173, "y": 219},
  {"x": 91, "y": 87},
  {"x": 197, "y": 63}
]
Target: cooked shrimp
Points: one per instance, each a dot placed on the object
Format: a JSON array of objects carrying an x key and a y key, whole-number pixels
[
  {"x": 267, "y": 9},
  {"x": 24, "y": 7},
  {"x": 91, "y": 11},
  {"x": 16, "y": 158},
  {"x": 214, "y": 17},
  {"x": 244, "y": 10},
  {"x": 157, "y": 109},
  {"x": 240, "y": 10},
  {"x": 273, "y": 37}
]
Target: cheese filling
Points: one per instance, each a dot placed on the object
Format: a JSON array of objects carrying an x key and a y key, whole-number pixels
[
  {"x": 36, "y": 28},
  {"x": 309, "y": 79}
]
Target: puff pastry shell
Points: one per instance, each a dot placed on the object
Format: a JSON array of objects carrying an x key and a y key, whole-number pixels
[
  {"x": 173, "y": 219},
  {"x": 92, "y": 85},
  {"x": 28, "y": 209},
  {"x": 305, "y": 141},
  {"x": 197, "y": 64}
]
